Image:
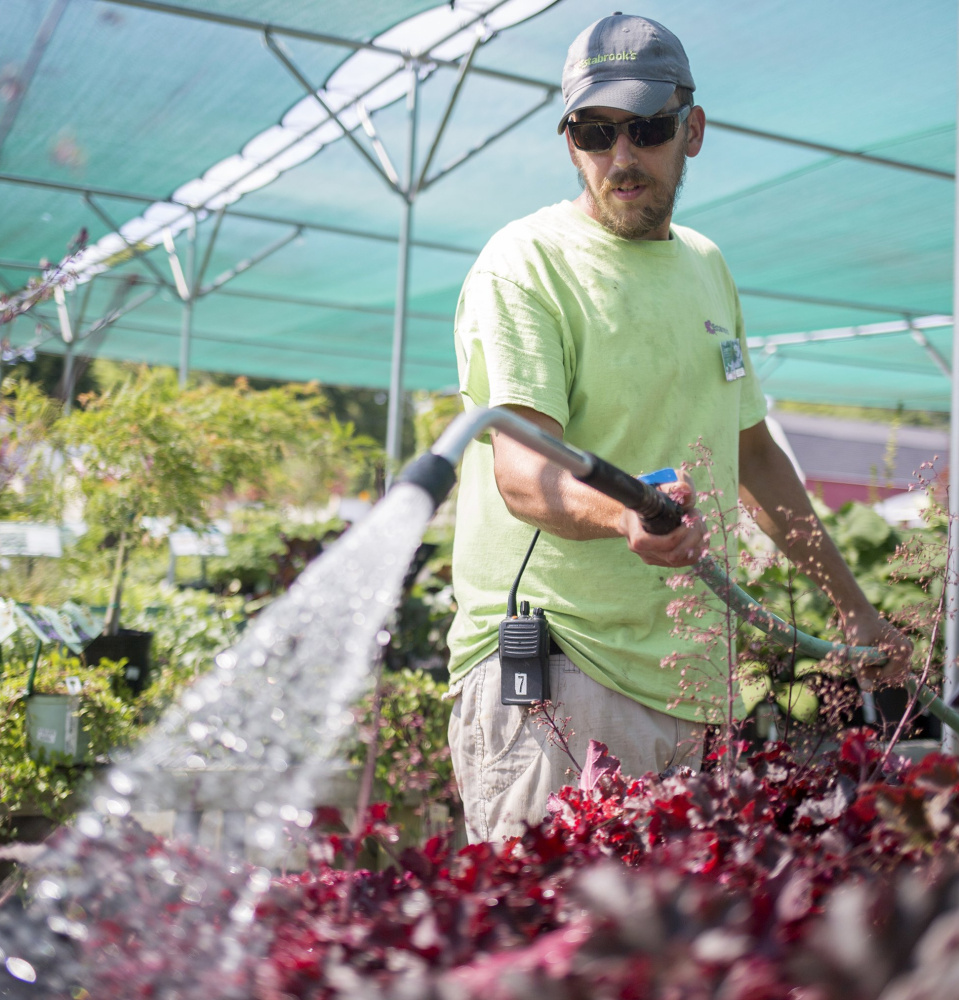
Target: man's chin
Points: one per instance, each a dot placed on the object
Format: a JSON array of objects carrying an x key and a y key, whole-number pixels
[{"x": 636, "y": 225}]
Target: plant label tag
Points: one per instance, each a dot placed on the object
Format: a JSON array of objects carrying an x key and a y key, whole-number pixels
[
  {"x": 733, "y": 364},
  {"x": 71, "y": 732},
  {"x": 74, "y": 685}
]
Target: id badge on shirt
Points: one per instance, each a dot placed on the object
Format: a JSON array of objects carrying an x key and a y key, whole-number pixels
[{"x": 733, "y": 364}]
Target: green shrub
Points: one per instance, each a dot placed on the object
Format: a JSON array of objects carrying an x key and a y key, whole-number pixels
[{"x": 54, "y": 789}]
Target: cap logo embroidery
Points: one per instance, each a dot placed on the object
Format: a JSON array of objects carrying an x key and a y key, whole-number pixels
[
  {"x": 606, "y": 57},
  {"x": 714, "y": 328}
]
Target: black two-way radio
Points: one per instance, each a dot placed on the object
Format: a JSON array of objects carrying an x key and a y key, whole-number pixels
[{"x": 523, "y": 649}]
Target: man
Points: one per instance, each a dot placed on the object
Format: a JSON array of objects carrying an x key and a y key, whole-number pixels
[{"x": 606, "y": 325}]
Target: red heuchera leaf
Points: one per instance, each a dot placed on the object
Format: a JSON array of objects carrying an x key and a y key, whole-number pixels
[{"x": 599, "y": 763}]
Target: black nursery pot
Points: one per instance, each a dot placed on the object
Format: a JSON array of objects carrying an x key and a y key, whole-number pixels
[{"x": 127, "y": 644}]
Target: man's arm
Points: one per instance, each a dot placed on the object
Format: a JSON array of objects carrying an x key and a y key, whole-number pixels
[
  {"x": 542, "y": 494},
  {"x": 769, "y": 486}
]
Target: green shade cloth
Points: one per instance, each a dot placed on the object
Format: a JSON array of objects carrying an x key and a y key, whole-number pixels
[{"x": 136, "y": 100}]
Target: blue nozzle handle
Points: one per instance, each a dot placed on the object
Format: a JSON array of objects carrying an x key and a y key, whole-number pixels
[{"x": 660, "y": 513}]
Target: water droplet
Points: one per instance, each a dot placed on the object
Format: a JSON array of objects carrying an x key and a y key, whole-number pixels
[
  {"x": 243, "y": 912},
  {"x": 122, "y": 783},
  {"x": 193, "y": 891},
  {"x": 197, "y": 731},
  {"x": 48, "y": 889},
  {"x": 259, "y": 880},
  {"x": 89, "y": 826},
  {"x": 289, "y": 813},
  {"x": 277, "y": 714},
  {"x": 21, "y": 969},
  {"x": 195, "y": 761},
  {"x": 192, "y": 701},
  {"x": 264, "y": 837},
  {"x": 111, "y": 807},
  {"x": 383, "y": 637}
]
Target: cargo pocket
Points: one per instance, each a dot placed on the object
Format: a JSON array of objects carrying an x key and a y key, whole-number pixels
[{"x": 510, "y": 744}]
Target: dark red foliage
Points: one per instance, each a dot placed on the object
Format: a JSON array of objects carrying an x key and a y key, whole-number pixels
[{"x": 776, "y": 880}]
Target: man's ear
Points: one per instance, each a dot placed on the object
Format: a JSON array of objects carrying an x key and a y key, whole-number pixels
[{"x": 695, "y": 127}]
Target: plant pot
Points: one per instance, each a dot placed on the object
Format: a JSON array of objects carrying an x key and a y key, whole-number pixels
[
  {"x": 53, "y": 728},
  {"x": 129, "y": 645}
]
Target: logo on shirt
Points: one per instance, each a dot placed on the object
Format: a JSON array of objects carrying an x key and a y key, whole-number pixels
[{"x": 715, "y": 328}]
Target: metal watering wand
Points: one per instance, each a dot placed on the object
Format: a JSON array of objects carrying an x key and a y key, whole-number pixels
[{"x": 435, "y": 472}]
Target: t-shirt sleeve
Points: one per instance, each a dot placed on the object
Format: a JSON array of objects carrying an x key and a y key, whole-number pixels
[{"x": 509, "y": 347}]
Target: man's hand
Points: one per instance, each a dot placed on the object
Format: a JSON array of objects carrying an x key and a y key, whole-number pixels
[
  {"x": 683, "y": 546},
  {"x": 870, "y": 629}
]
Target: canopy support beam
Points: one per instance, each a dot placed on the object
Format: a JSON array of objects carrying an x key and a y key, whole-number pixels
[
  {"x": 186, "y": 327},
  {"x": 25, "y": 77},
  {"x": 394, "y": 419},
  {"x": 327, "y": 39},
  {"x": 247, "y": 263},
  {"x": 135, "y": 250},
  {"x": 319, "y": 227},
  {"x": 299, "y": 300},
  {"x": 819, "y": 147},
  {"x": 210, "y": 243},
  {"x": 937, "y": 359},
  {"x": 914, "y": 324},
  {"x": 465, "y": 64},
  {"x": 314, "y": 92},
  {"x": 950, "y": 684},
  {"x": 470, "y": 153},
  {"x": 276, "y": 347},
  {"x": 117, "y": 313}
]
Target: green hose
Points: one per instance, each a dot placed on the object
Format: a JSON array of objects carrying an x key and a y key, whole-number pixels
[{"x": 753, "y": 613}]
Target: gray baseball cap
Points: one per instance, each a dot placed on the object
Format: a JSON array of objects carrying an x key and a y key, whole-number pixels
[{"x": 624, "y": 62}]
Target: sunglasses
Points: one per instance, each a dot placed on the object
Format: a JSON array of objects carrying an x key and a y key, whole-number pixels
[{"x": 599, "y": 137}]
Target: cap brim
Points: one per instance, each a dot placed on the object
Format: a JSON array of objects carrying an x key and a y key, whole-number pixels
[{"x": 639, "y": 97}]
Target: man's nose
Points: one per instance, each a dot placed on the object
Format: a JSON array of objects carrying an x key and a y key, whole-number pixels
[{"x": 624, "y": 152}]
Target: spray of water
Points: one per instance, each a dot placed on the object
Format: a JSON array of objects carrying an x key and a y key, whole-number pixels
[{"x": 260, "y": 731}]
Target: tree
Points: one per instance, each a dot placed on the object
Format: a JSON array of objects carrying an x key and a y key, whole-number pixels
[{"x": 144, "y": 448}]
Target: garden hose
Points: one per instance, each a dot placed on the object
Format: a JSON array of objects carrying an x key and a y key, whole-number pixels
[
  {"x": 435, "y": 472},
  {"x": 781, "y": 632}
]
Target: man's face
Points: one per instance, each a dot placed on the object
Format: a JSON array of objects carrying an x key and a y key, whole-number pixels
[{"x": 630, "y": 189}]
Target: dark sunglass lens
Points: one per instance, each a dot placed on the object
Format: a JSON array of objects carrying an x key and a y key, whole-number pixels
[
  {"x": 593, "y": 137},
  {"x": 652, "y": 131}
]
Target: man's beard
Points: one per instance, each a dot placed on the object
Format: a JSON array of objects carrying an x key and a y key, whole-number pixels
[{"x": 634, "y": 223}]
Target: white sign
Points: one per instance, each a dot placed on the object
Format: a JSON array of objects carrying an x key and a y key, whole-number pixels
[
  {"x": 184, "y": 542},
  {"x": 22, "y": 538}
]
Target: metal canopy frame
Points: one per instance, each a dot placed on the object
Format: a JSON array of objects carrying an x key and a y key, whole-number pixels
[
  {"x": 382, "y": 165},
  {"x": 414, "y": 183}
]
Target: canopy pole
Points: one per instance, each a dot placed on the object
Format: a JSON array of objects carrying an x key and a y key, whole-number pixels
[
  {"x": 68, "y": 363},
  {"x": 186, "y": 325},
  {"x": 950, "y": 742},
  {"x": 394, "y": 422}
]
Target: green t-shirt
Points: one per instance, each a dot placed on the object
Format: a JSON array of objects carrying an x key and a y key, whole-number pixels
[{"x": 618, "y": 341}]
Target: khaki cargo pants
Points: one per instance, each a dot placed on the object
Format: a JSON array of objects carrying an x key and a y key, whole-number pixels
[{"x": 506, "y": 763}]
